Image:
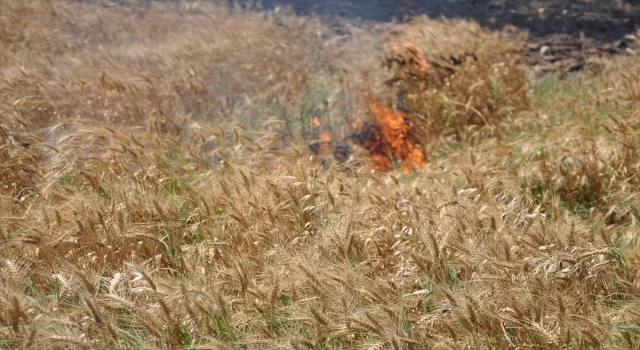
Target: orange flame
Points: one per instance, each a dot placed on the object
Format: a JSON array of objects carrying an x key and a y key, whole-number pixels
[
  {"x": 393, "y": 141},
  {"x": 324, "y": 137},
  {"x": 316, "y": 121}
]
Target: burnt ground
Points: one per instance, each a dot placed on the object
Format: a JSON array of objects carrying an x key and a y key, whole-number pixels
[
  {"x": 601, "y": 20},
  {"x": 562, "y": 33}
]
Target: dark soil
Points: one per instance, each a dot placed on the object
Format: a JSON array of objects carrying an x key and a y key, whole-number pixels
[
  {"x": 562, "y": 33},
  {"x": 600, "y": 20}
]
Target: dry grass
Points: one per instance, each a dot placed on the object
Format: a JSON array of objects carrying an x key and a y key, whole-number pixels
[
  {"x": 155, "y": 191},
  {"x": 464, "y": 87}
]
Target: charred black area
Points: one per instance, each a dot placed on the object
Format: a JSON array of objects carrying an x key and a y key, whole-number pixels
[{"x": 602, "y": 21}]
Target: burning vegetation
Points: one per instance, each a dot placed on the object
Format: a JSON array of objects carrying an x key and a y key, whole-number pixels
[
  {"x": 140, "y": 210},
  {"x": 389, "y": 135},
  {"x": 440, "y": 94},
  {"x": 389, "y": 139},
  {"x": 467, "y": 88}
]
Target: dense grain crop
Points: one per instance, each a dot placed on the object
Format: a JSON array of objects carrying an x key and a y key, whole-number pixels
[{"x": 157, "y": 189}]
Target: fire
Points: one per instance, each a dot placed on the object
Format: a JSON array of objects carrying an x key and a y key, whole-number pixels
[
  {"x": 391, "y": 140},
  {"x": 408, "y": 51},
  {"x": 322, "y": 145},
  {"x": 387, "y": 137}
]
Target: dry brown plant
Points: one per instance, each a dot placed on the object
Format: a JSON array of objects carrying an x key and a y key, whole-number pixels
[{"x": 155, "y": 191}]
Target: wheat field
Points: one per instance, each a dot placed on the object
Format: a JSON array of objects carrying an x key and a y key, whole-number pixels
[{"x": 158, "y": 191}]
